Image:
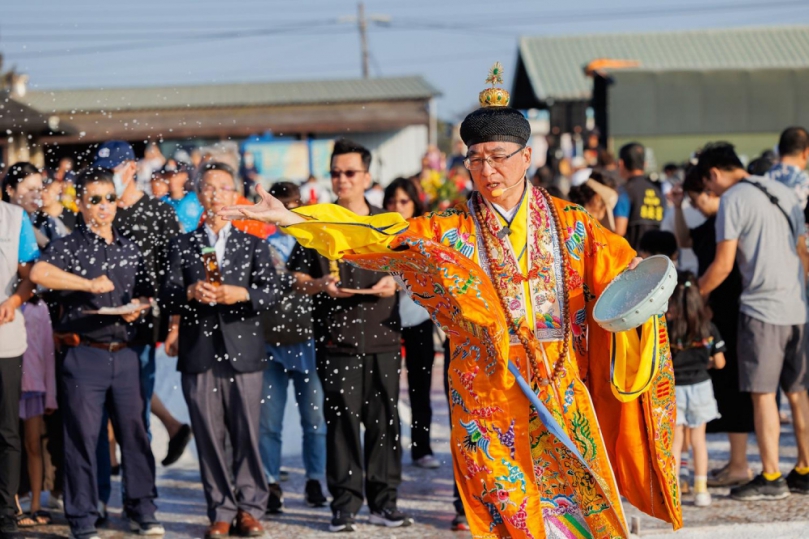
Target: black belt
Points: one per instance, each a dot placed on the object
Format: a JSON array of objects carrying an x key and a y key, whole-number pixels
[{"x": 108, "y": 346}]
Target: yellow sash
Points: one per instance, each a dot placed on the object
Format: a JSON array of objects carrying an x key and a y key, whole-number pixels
[{"x": 633, "y": 361}]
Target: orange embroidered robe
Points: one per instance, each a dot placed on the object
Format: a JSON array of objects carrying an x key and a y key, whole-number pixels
[{"x": 531, "y": 459}]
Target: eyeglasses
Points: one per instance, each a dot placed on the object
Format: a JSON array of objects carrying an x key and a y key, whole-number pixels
[
  {"x": 335, "y": 174},
  {"x": 495, "y": 161},
  {"x": 95, "y": 200}
]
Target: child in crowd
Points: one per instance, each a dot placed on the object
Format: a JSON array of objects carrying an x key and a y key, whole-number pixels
[
  {"x": 696, "y": 347},
  {"x": 658, "y": 242},
  {"x": 38, "y": 399}
]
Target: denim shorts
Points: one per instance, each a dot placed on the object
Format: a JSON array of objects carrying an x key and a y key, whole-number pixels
[{"x": 696, "y": 404}]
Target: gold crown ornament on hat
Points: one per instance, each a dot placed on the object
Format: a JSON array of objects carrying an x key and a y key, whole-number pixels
[{"x": 494, "y": 97}]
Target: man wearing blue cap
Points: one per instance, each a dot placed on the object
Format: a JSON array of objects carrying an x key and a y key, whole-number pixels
[{"x": 149, "y": 224}]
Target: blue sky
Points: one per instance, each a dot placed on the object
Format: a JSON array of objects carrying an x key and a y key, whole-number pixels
[{"x": 452, "y": 43}]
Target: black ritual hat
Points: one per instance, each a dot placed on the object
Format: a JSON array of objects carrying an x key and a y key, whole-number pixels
[{"x": 495, "y": 121}]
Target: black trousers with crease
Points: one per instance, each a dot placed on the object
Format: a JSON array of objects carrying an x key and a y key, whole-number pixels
[
  {"x": 10, "y": 448},
  {"x": 362, "y": 390},
  {"x": 419, "y": 358}
]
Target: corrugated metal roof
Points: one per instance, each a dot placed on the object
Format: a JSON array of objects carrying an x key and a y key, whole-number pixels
[
  {"x": 555, "y": 64},
  {"x": 232, "y": 95}
]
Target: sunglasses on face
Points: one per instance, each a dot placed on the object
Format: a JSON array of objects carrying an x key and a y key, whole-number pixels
[
  {"x": 95, "y": 200},
  {"x": 335, "y": 174}
]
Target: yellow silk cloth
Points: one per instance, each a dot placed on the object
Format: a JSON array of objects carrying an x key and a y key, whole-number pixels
[
  {"x": 521, "y": 475},
  {"x": 630, "y": 377}
]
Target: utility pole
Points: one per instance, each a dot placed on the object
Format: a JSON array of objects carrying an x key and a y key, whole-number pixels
[{"x": 362, "y": 25}]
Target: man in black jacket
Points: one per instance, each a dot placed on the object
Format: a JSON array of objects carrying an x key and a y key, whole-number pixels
[
  {"x": 221, "y": 353},
  {"x": 358, "y": 339}
]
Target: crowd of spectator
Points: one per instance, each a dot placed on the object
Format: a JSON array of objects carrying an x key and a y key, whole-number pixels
[{"x": 104, "y": 265}]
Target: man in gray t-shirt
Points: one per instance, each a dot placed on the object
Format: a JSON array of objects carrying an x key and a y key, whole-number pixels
[
  {"x": 760, "y": 224},
  {"x": 772, "y": 273}
]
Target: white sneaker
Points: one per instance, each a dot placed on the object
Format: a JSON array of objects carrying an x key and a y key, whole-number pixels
[
  {"x": 103, "y": 515},
  {"x": 702, "y": 499},
  {"x": 55, "y": 503},
  {"x": 152, "y": 528},
  {"x": 390, "y": 518},
  {"x": 428, "y": 461}
]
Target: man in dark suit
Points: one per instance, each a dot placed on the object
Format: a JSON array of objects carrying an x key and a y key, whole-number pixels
[{"x": 221, "y": 352}]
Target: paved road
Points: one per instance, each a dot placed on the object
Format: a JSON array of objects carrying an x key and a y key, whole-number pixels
[{"x": 425, "y": 494}]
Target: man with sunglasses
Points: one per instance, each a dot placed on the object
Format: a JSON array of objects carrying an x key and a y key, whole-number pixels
[
  {"x": 150, "y": 224},
  {"x": 358, "y": 338},
  {"x": 94, "y": 269},
  {"x": 546, "y": 429}
]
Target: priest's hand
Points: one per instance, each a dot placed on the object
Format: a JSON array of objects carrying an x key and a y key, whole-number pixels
[
  {"x": 268, "y": 210},
  {"x": 635, "y": 261}
]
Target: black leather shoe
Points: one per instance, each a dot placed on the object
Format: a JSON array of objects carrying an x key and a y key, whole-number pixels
[
  {"x": 177, "y": 445},
  {"x": 314, "y": 494},
  {"x": 275, "y": 503}
]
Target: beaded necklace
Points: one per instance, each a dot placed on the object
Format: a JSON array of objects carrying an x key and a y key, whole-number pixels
[{"x": 559, "y": 366}]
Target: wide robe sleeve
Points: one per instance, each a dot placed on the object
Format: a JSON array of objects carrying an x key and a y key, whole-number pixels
[
  {"x": 335, "y": 231},
  {"x": 631, "y": 383}
]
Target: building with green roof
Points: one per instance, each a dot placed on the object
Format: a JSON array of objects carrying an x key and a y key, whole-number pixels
[
  {"x": 672, "y": 91},
  {"x": 289, "y": 123}
]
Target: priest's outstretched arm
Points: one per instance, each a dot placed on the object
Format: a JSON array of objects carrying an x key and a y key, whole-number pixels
[{"x": 330, "y": 229}]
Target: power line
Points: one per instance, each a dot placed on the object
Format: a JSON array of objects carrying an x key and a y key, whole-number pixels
[
  {"x": 471, "y": 22},
  {"x": 139, "y": 45},
  {"x": 175, "y": 34},
  {"x": 322, "y": 26}
]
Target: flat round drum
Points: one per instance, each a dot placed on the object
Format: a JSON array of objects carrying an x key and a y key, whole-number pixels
[{"x": 636, "y": 295}]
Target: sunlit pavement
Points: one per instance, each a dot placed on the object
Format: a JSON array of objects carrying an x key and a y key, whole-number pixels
[{"x": 425, "y": 494}]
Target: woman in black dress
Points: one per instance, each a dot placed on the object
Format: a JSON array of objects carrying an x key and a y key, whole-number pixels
[
  {"x": 417, "y": 333},
  {"x": 735, "y": 407}
]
